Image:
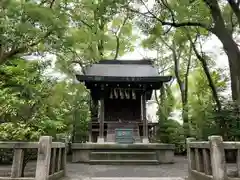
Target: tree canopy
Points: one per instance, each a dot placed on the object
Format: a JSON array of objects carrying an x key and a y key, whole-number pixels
[{"x": 80, "y": 32}]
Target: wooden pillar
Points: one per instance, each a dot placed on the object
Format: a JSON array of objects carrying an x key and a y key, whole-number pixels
[
  {"x": 90, "y": 131},
  {"x": 155, "y": 131},
  {"x": 101, "y": 122},
  {"x": 94, "y": 116},
  {"x": 144, "y": 119},
  {"x": 94, "y": 109}
]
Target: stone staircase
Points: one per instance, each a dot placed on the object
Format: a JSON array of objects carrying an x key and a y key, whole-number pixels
[
  {"x": 121, "y": 156},
  {"x": 122, "y": 153}
]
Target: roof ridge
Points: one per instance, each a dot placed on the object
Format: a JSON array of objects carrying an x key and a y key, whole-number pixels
[{"x": 139, "y": 62}]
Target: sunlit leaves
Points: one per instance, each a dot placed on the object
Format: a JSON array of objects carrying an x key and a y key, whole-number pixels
[
  {"x": 35, "y": 104},
  {"x": 24, "y": 23},
  {"x": 157, "y": 30},
  {"x": 18, "y": 132},
  {"x": 201, "y": 102}
]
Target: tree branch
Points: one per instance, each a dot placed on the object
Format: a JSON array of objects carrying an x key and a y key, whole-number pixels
[
  {"x": 88, "y": 25},
  {"x": 52, "y": 3},
  {"x": 216, "y": 15},
  {"x": 15, "y": 51},
  {"x": 233, "y": 25},
  {"x": 117, "y": 35},
  {"x": 207, "y": 73},
  {"x": 188, "y": 69},
  {"x": 45, "y": 1},
  {"x": 235, "y": 7},
  {"x": 165, "y": 3},
  {"x": 150, "y": 14}
]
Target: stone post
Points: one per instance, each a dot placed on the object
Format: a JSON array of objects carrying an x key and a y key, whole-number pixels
[
  {"x": 190, "y": 157},
  {"x": 59, "y": 159},
  {"x": 17, "y": 164},
  {"x": 44, "y": 157},
  {"x": 207, "y": 162},
  {"x": 53, "y": 161},
  {"x": 64, "y": 160},
  {"x": 217, "y": 158},
  {"x": 238, "y": 162}
]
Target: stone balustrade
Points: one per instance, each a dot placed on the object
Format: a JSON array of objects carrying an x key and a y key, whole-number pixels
[
  {"x": 51, "y": 159},
  {"x": 207, "y": 159}
]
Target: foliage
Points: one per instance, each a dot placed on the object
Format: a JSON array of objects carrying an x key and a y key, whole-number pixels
[
  {"x": 227, "y": 122},
  {"x": 84, "y": 31},
  {"x": 169, "y": 130},
  {"x": 19, "y": 132},
  {"x": 35, "y": 104},
  {"x": 202, "y": 104},
  {"x": 167, "y": 102},
  {"x": 75, "y": 31},
  {"x": 204, "y": 120}
]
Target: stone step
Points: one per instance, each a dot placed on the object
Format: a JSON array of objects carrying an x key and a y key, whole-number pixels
[
  {"x": 121, "y": 162},
  {"x": 122, "y": 155},
  {"x": 136, "y": 178},
  {"x": 124, "y": 152}
]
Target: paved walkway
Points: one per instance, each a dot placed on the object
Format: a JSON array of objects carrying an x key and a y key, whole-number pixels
[
  {"x": 136, "y": 178},
  {"x": 77, "y": 171},
  {"x": 116, "y": 172}
]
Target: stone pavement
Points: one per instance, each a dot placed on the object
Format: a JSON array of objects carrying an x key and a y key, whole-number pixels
[
  {"x": 77, "y": 171},
  {"x": 135, "y": 178},
  {"x": 176, "y": 171}
]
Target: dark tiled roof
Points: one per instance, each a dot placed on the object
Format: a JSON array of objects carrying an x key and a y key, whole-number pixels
[
  {"x": 122, "y": 68},
  {"x": 147, "y": 79},
  {"x": 143, "y": 61}
]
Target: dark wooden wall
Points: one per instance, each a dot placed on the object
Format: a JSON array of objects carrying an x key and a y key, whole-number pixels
[{"x": 124, "y": 109}]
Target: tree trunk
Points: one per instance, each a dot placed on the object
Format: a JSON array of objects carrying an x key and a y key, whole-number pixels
[
  {"x": 235, "y": 7},
  {"x": 207, "y": 73},
  {"x": 229, "y": 45},
  {"x": 182, "y": 87},
  {"x": 233, "y": 54}
]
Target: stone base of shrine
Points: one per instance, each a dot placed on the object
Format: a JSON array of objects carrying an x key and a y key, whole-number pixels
[{"x": 112, "y": 153}]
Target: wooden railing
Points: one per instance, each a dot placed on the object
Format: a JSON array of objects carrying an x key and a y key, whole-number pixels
[
  {"x": 207, "y": 159},
  {"x": 51, "y": 159}
]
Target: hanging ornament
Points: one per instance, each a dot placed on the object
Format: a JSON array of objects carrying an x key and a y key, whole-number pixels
[
  {"x": 115, "y": 93},
  {"x": 121, "y": 93},
  {"x": 133, "y": 94},
  {"x": 111, "y": 94},
  {"x": 127, "y": 94}
]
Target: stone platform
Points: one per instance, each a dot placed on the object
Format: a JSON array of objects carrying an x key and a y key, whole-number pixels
[{"x": 112, "y": 153}]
